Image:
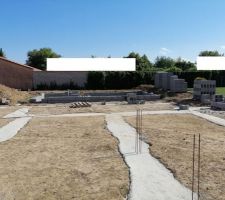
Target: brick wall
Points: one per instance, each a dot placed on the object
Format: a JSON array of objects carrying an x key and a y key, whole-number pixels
[{"x": 15, "y": 75}]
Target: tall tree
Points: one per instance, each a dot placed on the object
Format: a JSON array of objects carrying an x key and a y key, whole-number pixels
[
  {"x": 142, "y": 62},
  {"x": 210, "y": 53},
  {"x": 163, "y": 63},
  {"x": 38, "y": 58},
  {"x": 2, "y": 54},
  {"x": 185, "y": 66}
]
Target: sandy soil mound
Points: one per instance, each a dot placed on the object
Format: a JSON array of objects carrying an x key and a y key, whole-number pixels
[{"x": 14, "y": 95}]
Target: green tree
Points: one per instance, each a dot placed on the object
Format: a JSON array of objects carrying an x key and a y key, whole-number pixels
[
  {"x": 38, "y": 58},
  {"x": 185, "y": 66},
  {"x": 163, "y": 63},
  {"x": 2, "y": 54},
  {"x": 142, "y": 62},
  {"x": 210, "y": 53}
]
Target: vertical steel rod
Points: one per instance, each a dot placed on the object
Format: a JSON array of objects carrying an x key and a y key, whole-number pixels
[
  {"x": 136, "y": 136},
  {"x": 199, "y": 164},
  {"x": 193, "y": 168},
  {"x": 140, "y": 139},
  {"x": 138, "y": 130},
  {"x": 136, "y": 139}
]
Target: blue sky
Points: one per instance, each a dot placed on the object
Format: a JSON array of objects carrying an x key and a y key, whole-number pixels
[{"x": 81, "y": 28}]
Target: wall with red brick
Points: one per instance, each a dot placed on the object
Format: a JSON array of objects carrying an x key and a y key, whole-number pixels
[{"x": 15, "y": 75}]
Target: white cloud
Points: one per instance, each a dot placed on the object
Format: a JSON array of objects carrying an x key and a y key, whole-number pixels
[
  {"x": 164, "y": 51},
  {"x": 222, "y": 47}
]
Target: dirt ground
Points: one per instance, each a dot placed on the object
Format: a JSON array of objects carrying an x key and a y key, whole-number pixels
[
  {"x": 15, "y": 96},
  {"x": 4, "y": 122},
  {"x": 171, "y": 140},
  {"x": 108, "y": 108},
  {"x": 63, "y": 158},
  {"x": 7, "y": 110}
]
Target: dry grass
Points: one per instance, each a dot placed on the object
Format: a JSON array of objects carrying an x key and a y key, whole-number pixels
[
  {"x": 14, "y": 95},
  {"x": 171, "y": 137},
  {"x": 7, "y": 110},
  {"x": 3, "y": 122},
  {"x": 108, "y": 108},
  {"x": 62, "y": 158}
]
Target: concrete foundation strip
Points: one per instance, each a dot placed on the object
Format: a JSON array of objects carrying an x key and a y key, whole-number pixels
[
  {"x": 12, "y": 128},
  {"x": 149, "y": 178}
]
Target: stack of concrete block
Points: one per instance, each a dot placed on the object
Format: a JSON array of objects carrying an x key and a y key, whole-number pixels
[
  {"x": 168, "y": 81},
  {"x": 202, "y": 87},
  {"x": 205, "y": 99},
  {"x": 80, "y": 105},
  {"x": 157, "y": 82},
  {"x": 218, "y": 102},
  {"x": 162, "y": 80},
  {"x": 132, "y": 98},
  {"x": 218, "y": 98},
  {"x": 183, "y": 107}
]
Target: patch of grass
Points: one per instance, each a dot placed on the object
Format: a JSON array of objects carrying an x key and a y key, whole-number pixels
[{"x": 220, "y": 90}]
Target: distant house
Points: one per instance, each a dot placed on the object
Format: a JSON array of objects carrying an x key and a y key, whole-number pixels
[{"x": 24, "y": 77}]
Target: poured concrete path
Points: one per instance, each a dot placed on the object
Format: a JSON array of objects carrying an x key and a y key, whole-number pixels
[
  {"x": 18, "y": 113},
  {"x": 12, "y": 128},
  {"x": 150, "y": 180},
  {"x": 130, "y": 113},
  {"x": 211, "y": 118}
]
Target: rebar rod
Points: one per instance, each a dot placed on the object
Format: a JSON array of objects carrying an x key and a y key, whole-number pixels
[
  {"x": 199, "y": 164},
  {"x": 140, "y": 132},
  {"x": 193, "y": 168}
]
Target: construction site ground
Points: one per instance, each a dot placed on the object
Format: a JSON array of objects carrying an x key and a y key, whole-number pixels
[
  {"x": 76, "y": 157},
  {"x": 63, "y": 158},
  {"x": 55, "y": 109},
  {"x": 171, "y": 141}
]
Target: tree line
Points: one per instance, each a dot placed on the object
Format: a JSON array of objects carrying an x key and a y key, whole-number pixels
[
  {"x": 38, "y": 58},
  {"x": 144, "y": 74}
]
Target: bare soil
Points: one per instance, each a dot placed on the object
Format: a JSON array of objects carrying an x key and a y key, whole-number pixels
[
  {"x": 63, "y": 158},
  {"x": 7, "y": 110},
  {"x": 171, "y": 141},
  {"x": 15, "y": 96},
  {"x": 3, "y": 122},
  {"x": 97, "y": 108}
]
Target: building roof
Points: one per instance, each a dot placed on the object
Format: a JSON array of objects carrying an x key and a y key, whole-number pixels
[{"x": 21, "y": 65}]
